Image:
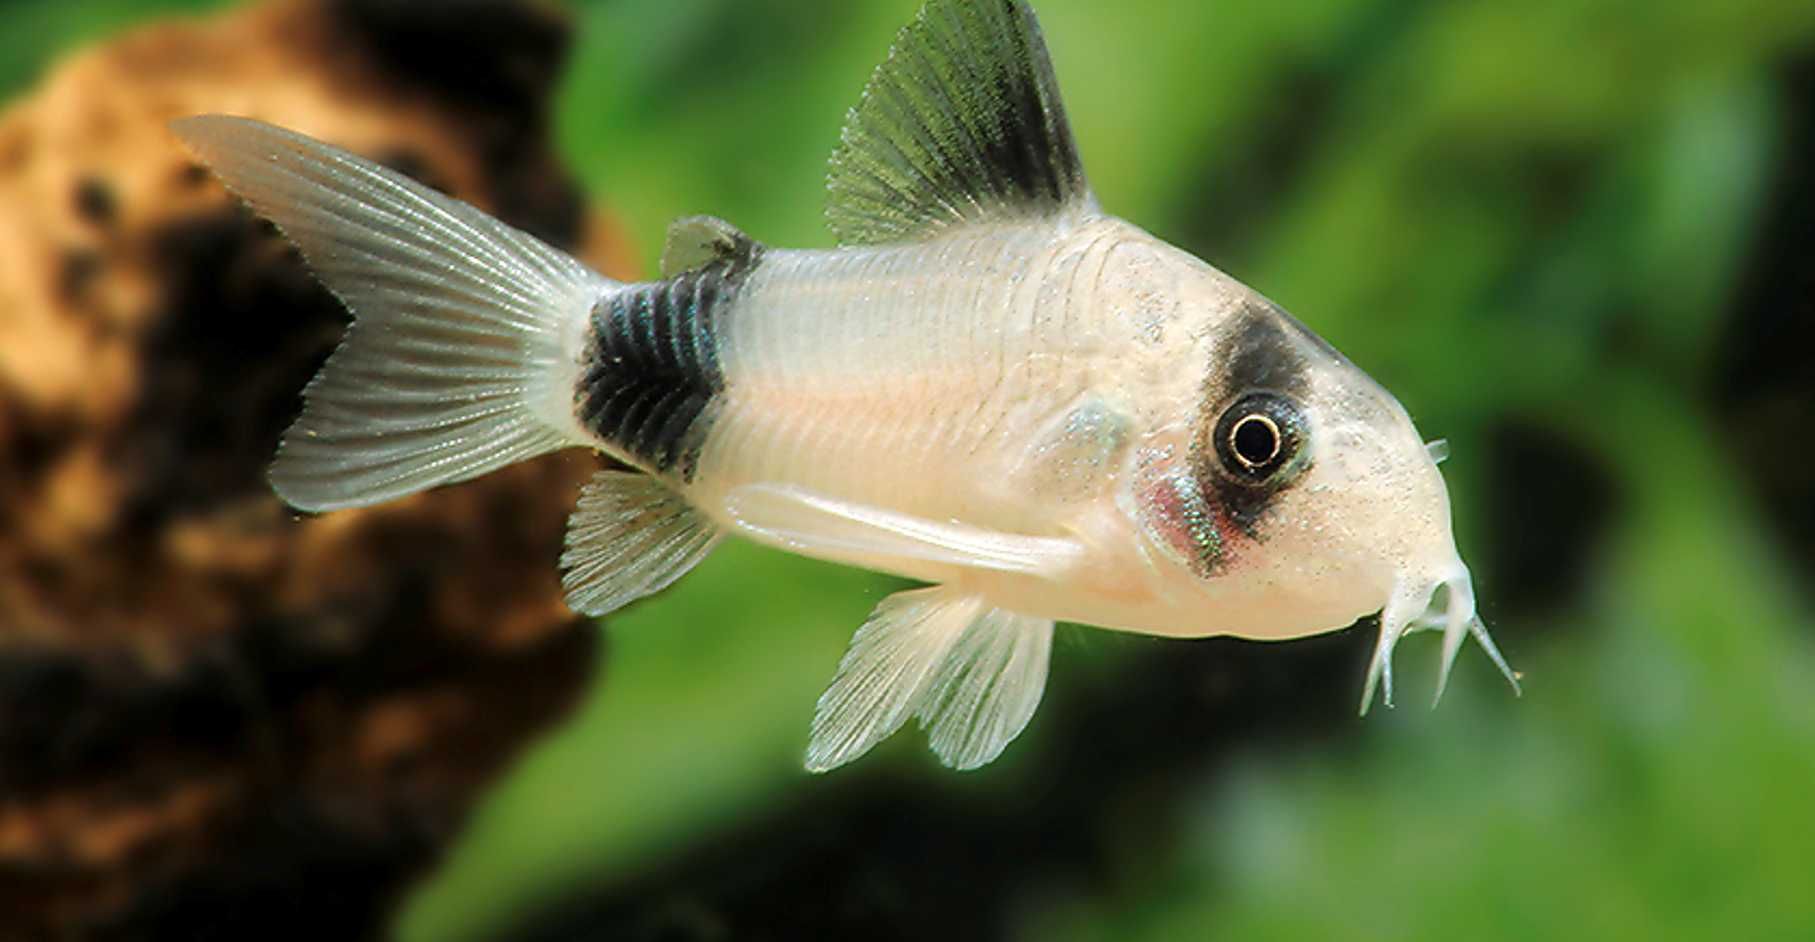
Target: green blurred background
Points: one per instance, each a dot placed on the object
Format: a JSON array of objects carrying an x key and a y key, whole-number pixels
[{"x": 1573, "y": 236}]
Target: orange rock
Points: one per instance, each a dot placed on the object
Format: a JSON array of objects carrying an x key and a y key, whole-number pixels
[{"x": 205, "y": 700}]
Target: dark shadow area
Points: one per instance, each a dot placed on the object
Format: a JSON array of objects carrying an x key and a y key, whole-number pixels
[
  {"x": 878, "y": 855},
  {"x": 1764, "y": 386}
]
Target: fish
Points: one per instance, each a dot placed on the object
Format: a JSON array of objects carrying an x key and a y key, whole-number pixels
[{"x": 992, "y": 387}]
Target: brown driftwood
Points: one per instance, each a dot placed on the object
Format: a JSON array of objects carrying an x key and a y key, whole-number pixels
[{"x": 218, "y": 719}]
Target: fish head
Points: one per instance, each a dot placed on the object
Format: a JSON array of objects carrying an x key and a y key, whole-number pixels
[{"x": 1296, "y": 496}]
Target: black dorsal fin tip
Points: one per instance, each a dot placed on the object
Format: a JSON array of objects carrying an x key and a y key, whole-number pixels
[{"x": 961, "y": 124}]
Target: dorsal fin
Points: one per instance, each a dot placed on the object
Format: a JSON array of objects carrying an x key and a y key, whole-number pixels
[
  {"x": 961, "y": 124},
  {"x": 697, "y": 241}
]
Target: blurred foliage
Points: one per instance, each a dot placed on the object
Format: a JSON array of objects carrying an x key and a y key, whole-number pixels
[
  {"x": 1525, "y": 216},
  {"x": 32, "y": 32}
]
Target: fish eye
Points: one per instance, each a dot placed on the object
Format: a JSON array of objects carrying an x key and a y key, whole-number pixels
[
  {"x": 1259, "y": 436},
  {"x": 1254, "y": 441}
]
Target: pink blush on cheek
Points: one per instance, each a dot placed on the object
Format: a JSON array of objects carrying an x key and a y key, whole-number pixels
[{"x": 1176, "y": 517}]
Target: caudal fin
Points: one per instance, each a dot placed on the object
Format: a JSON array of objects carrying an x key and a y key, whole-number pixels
[{"x": 459, "y": 359}]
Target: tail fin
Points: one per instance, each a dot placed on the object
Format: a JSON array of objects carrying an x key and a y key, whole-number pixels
[{"x": 461, "y": 358}]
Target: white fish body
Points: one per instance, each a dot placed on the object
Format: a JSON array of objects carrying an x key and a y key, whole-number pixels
[
  {"x": 994, "y": 387},
  {"x": 1007, "y": 380}
]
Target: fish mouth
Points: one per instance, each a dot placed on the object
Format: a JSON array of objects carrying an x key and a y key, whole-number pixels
[{"x": 1447, "y": 604}]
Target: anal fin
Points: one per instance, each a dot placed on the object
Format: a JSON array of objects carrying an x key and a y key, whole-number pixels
[
  {"x": 629, "y": 537},
  {"x": 971, "y": 674}
]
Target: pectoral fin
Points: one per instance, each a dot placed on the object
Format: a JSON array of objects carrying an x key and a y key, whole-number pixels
[
  {"x": 875, "y": 537},
  {"x": 971, "y": 674}
]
